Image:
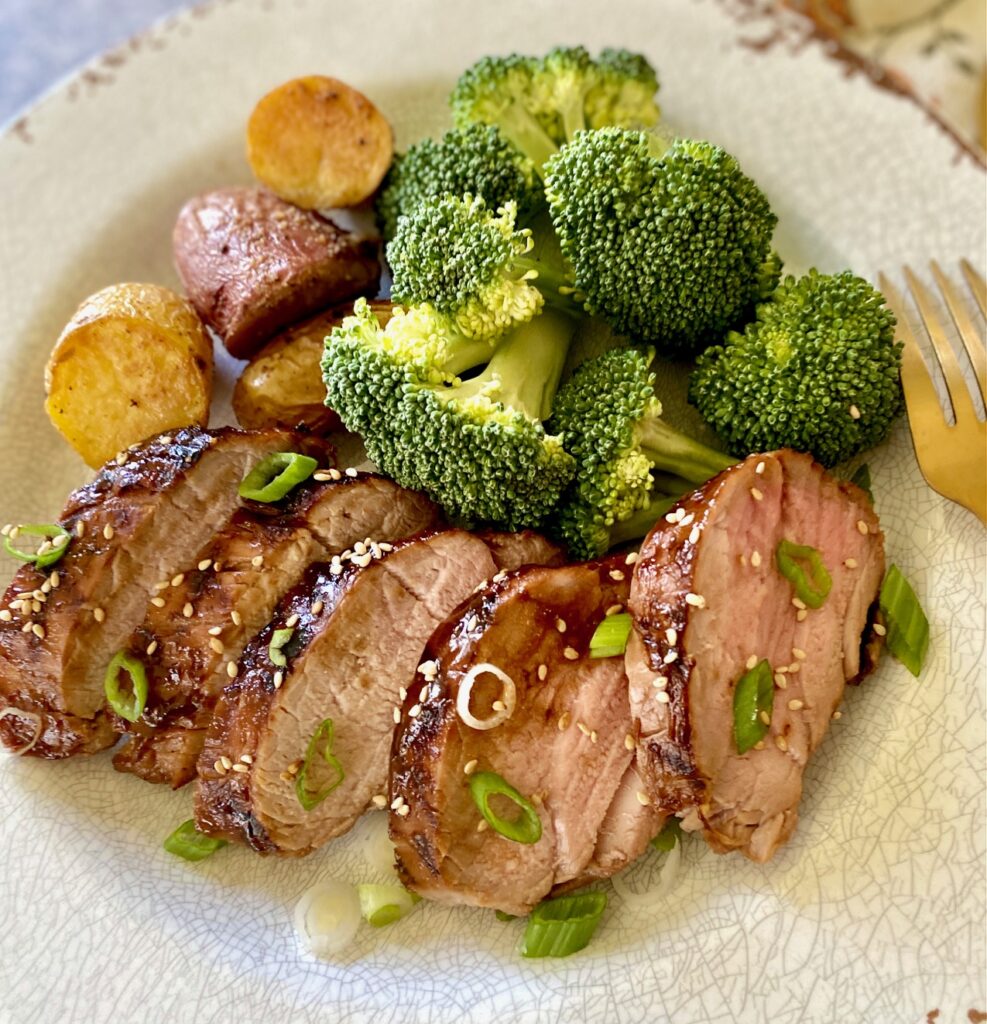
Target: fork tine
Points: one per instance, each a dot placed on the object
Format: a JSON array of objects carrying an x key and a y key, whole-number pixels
[
  {"x": 974, "y": 345},
  {"x": 977, "y": 285},
  {"x": 959, "y": 393}
]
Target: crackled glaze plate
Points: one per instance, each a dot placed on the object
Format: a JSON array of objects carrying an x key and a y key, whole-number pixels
[{"x": 873, "y": 913}]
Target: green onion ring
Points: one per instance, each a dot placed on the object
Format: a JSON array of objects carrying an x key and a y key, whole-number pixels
[
  {"x": 753, "y": 694},
  {"x": 59, "y": 536},
  {"x": 189, "y": 843},
  {"x": 278, "y": 640},
  {"x": 811, "y": 581},
  {"x": 564, "y": 925},
  {"x": 127, "y": 705},
  {"x": 906, "y": 623},
  {"x": 273, "y": 477},
  {"x": 324, "y": 735},
  {"x": 610, "y": 637},
  {"x": 525, "y": 829}
]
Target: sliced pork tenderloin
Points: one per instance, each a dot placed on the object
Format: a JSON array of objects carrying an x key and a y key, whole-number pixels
[
  {"x": 200, "y": 620},
  {"x": 526, "y": 547},
  {"x": 566, "y": 746},
  {"x": 358, "y": 627},
  {"x": 709, "y": 603},
  {"x": 135, "y": 524}
]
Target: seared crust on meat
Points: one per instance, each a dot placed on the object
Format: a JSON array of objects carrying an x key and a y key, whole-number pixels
[{"x": 136, "y": 522}]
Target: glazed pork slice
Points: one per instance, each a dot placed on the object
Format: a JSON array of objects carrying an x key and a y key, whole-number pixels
[
  {"x": 358, "y": 627},
  {"x": 525, "y": 547},
  {"x": 199, "y": 621},
  {"x": 709, "y": 603},
  {"x": 135, "y": 524},
  {"x": 566, "y": 746}
]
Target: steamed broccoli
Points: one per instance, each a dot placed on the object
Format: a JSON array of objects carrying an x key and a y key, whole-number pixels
[
  {"x": 478, "y": 447},
  {"x": 816, "y": 371},
  {"x": 473, "y": 267},
  {"x": 540, "y": 103},
  {"x": 670, "y": 243},
  {"x": 628, "y": 460},
  {"x": 476, "y": 159}
]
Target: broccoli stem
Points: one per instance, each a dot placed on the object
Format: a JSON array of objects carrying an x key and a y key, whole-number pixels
[
  {"x": 465, "y": 355},
  {"x": 641, "y": 522},
  {"x": 524, "y": 131},
  {"x": 525, "y": 369},
  {"x": 673, "y": 452},
  {"x": 553, "y": 282}
]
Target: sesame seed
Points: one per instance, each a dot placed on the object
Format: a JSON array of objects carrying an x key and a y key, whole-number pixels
[
  {"x": 499, "y": 705},
  {"x": 321, "y": 476},
  {"x": 14, "y": 532},
  {"x": 564, "y": 722},
  {"x": 108, "y": 532},
  {"x": 363, "y": 560},
  {"x": 686, "y": 520},
  {"x": 854, "y": 412},
  {"x": 384, "y": 546},
  {"x": 662, "y": 697},
  {"x": 765, "y": 717},
  {"x": 291, "y": 621},
  {"x": 659, "y": 682},
  {"x": 396, "y": 715},
  {"x": 469, "y": 767},
  {"x": 219, "y": 767},
  {"x": 217, "y": 566},
  {"x": 879, "y": 629},
  {"x": 379, "y": 801},
  {"x": 80, "y": 529},
  {"x": 415, "y": 711},
  {"x": 204, "y": 564},
  {"x": 188, "y": 610},
  {"x": 499, "y": 577},
  {"x": 801, "y": 615},
  {"x": 167, "y": 439},
  {"x": 694, "y": 535},
  {"x": 781, "y": 743},
  {"x": 232, "y": 669},
  {"x": 631, "y": 558},
  {"x": 45, "y": 588},
  {"x": 402, "y": 693},
  {"x": 162, "y": 585},
  {"x": 696, "y": 600},
  {"x": 560, "y": 625},
  {"x": 799, "y": 653},
  {"x": 257, "y": 561},
  {"x": 850, "y": 563},
  {"x": 795, "y": 705},
  {"x": 613, "y": 610},
  {"x": 542, "y": 672},
  {"x": 759, "y": 468},
  {"x": 242, "y": 768},
  {"x": 583, "y": 728},
  {"x": 335, "y": 569},
  {"x": 397, "y": 802},
  {"x": 278, "y": 679},
  {"x": 755, "y": 558},
  {"x": 360, "y": 548},
  {"x": 780, "y": 681},
  {"x": 236, "y": 617},
  {"x": 471, "y": 623},
  {"x": 428, "y": 668},
  {"x": 177, "y": 581},
  {"x": 121, "y": 458},
  {"x": 670, "y": 517},
  {"x": 334, "y": 474},
  {"x": 670, "y": 657},
  {"x": 592, "y": 736},
  {"x": 226, "y": 762},
  {"x": 616, "y": 574},
  {"x": 759, "y": 745},
  {"x": 482, "y": 826},
  {"x": 316, "y": 608},
  {"x": 752, "y": 661},
  {"x": 35, "y": 606},
  {"x": 158, "y": 602},
  {"x": 246, "y": 759},
  {"x": 642, "y": 798},
  {"x": 26, "y": 628},
  {"x": 54, "y": 579},
  {"x": 672, "y": 636},
  {"x": 756, "y": 494},
  {"x": 5, "y": 529},
  {"x": 629, "y": 742},
  {"x": 798, "y": 602},
  {"x": 5, "y": 615},
  {"x": 570, "y": 654},
  {"x": 837, "y": 715},
  {"x": 861, "y": 526},
  {"x": 38, "y": 630},
  {"x": 351, "y": 472},
  {"x": 98, "y": 614},
  {"x": 423, "y": 694},
  {"x": 217, "y": 645}
]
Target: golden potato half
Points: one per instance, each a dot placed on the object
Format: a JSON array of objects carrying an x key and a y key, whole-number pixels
[
  {"x": 282, "y": 385},
  {"x": 133, "y": 361},
  {"x": 318, "y": 143}
]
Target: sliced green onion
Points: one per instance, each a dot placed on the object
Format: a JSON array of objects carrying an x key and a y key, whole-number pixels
[
  {"x": 803, "y": 567},
  {"x": 564, "y": 925},
  {"x": 381, "y": 905},
  {"x": 668, "y": 836},
  {"x": 502, "y": 916},
  {"x": 753, "y": 700},
  {"x": 322, "y": 737},
  {"x": 58, "y": 535},
  {"x": 861, "y": 478},
  {"x": 907, "y": 626},
  {"x": 272, "y": 478},
  {"x": 610, "y": 636},
  {"x": 525, "y": 828},
  {"x": 127, "y": 701},
  {"x": 274, "y": 652},
  {"x": 189, "y": 843}
]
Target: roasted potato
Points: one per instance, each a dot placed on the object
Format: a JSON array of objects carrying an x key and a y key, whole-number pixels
[
  {"x": 134, "y": 360},
  {"x": 318, "y": 143},
  {"x": 252, "y": 263},
  {"x": 282, "y": 385}
]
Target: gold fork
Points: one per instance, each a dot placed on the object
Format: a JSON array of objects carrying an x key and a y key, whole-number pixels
[{"x": 953, "y": 459}]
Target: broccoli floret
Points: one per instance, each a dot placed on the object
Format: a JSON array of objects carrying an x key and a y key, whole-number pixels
[
  {"x": 670, "y": 243},
  {"x": 476, "y": 159},
  {"x": 627, "y": 458},
  {"x": 816, "y": 371},
  {"x": 473, "y": 267},
  {"x": 541, "y": 103},
  {"x": 478, "y": 446}
]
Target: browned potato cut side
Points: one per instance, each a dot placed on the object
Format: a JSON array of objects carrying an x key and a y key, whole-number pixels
[
  {"x": 133, "y": 361},
  {"x": 319, "y": 143},
  {"x": 282, "y": 385}
]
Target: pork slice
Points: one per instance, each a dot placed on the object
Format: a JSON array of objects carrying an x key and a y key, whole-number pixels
[
  {"x": 709, "y": 602},
  {"x": 525, "y": 547},
  {"x": 135, "y": 524},
  {"x": 358, "y": 634},
  {"x": 566, "y": 746},
  {"x": 200, "y": 621}
]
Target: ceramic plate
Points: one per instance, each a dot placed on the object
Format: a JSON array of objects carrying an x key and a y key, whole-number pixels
[{"x": 875, "y": 910}]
